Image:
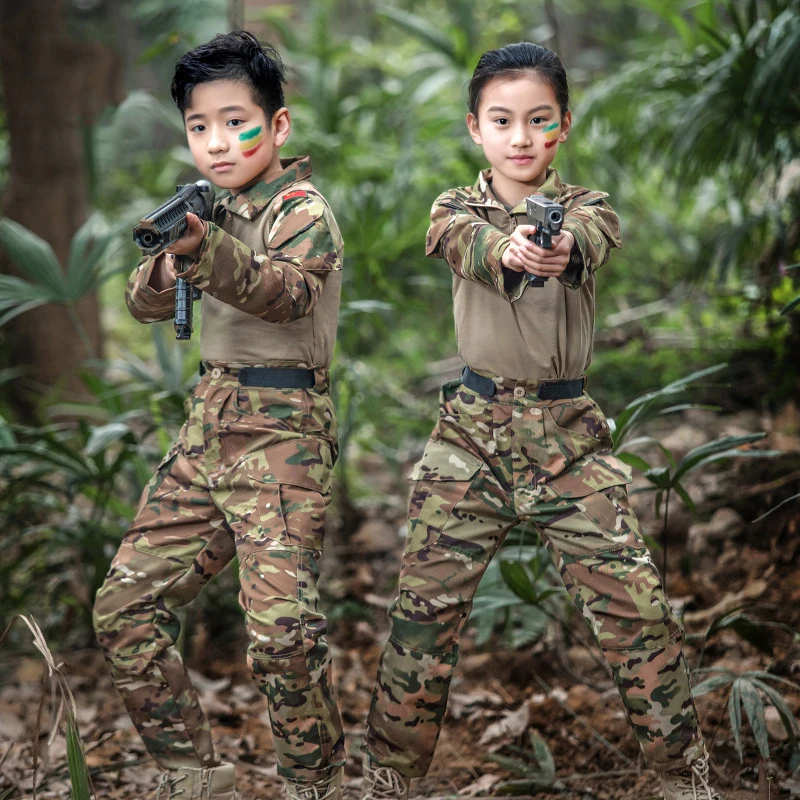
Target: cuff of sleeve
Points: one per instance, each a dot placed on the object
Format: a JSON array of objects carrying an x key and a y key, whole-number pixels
[
  {"x": 575, "y": 274},
  {"x": 512, "y": 284},
  {"x": 145, "y": 288},
  {"x": 204, "y": 266}
]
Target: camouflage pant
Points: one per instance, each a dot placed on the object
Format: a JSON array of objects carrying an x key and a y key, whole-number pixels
[
  {"x": 488, "y": 465},
  {"x": 248, "y": 476}
]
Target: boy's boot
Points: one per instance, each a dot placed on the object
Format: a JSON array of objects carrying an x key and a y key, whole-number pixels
[
  {"x": 327, "y": 788},
  {"x": 383, "y": 783},
  {"x": 690, "y": 783},
  {"x": 203, "y": 783}
]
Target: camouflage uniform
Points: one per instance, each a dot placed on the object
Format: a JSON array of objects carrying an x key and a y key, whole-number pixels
[
  {"x": 249, "y": 477},
  {"x": 493, "y": 462}
]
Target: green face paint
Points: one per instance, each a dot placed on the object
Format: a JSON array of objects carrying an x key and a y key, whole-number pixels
[{"x": 251, "y": 140}]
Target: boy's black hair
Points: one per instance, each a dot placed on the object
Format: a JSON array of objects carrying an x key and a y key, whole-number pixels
[
  {"x": 236, "y": 56},
  {"x": 516, "y": 58}
]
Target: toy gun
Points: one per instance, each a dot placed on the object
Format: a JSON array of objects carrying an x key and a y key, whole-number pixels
[
  {"x": 164, "y": 226},
  {"x": 547, "y": 216}
]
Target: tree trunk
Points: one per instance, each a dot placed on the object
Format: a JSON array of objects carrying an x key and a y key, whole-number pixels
[{"x": 53, "y": 89}]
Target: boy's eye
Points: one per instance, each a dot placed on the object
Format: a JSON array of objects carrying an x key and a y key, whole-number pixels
[
  {"x": 235, "y": 123},
  {"x": 197, "y": 128},
  {"x": 537, "y": 121},
  {"x": 501, "y": 121}
]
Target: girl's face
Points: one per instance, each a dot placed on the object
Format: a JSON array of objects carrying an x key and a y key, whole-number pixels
[{"x": 519, "y": 126}]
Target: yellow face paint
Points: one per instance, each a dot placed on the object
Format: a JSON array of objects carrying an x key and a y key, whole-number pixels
[
  {"x": 251, "y": 140},
  {"x": 551, "y": 134}
]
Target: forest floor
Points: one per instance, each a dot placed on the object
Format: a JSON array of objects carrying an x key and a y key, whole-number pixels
[{"x": 557, "y": 689}]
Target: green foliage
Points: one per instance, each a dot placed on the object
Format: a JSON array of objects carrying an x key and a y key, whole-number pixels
[
  {"x": 751, "y": 691},
  {"x": 64, "y": 716},
  {"x": 536, "y": 765},
  {"x": 521, "y": 593},
  {"x": 69, "y": 489}
]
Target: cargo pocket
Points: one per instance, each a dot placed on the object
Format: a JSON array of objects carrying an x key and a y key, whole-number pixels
[
  {"x": 576, "y": 427},
  {"x": 441, "y": 479},
  {"x": 588, "y": 508}
]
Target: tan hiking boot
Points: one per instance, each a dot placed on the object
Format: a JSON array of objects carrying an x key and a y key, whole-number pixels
[
  {"x": 203, "y": 783},
  {"x": 690, "y": 783},
  {"x": 383, "y": 783},
  {"x": 327, "y": 788}
]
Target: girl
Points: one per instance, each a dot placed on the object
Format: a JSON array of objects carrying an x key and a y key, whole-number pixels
[{"x": 518, "y": 439}]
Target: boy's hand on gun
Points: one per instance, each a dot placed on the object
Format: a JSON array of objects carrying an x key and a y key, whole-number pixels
[
  {"x": 522, "y": 255},
  {"x": 189, "y": 243}
]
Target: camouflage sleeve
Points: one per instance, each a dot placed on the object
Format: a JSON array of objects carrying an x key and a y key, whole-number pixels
[
  {"x": 471, "y": 246},
  {"x": 283, "y": 283},
  {"x": 143, "y": 301},
  {"x": 595, "y": 226}
]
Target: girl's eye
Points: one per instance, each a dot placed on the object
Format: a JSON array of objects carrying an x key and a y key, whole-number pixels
[
  {"x": 197, "y": 128},
  {"x": 501, "y": 121},
  {"x": 235, "y": 123},
  {"x": 537, "y": 121}
]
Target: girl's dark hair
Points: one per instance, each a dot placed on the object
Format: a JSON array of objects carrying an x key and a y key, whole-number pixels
[
  {"x": 236, "y": 56},
  {"x": 516, "y": 58}
]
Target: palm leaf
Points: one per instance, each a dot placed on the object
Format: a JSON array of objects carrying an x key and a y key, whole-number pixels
[{"x": 33, "y": 256}]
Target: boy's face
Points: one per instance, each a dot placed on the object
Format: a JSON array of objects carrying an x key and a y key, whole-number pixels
[
  {"x": 231, "y": 141},
  {"x": 519, "y": 126}
]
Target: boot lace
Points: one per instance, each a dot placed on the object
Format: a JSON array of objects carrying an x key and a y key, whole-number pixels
[
  {"x": 322, "y": 790},
  {"x": 167, "y": 784},
  {"x": 693, "y": 783},
  {"x": 700, "y": 785},
  {"x": 385, "y": 783}
]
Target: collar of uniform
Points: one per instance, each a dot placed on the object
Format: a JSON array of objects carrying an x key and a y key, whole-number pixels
[
  {"x": 253, "y": 200},
  {"x": 482, "y": 194}
]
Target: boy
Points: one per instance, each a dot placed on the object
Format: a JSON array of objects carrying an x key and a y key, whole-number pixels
[{"x": 250, "y": 472}]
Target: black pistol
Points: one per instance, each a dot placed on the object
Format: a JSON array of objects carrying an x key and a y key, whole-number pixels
[
  {"x": 547, "y": 216},
  {"x": 160, "y": 228}
]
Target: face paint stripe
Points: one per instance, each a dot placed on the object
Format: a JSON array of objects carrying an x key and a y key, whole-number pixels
[
  {"x": 248, "y": 153},
  {"x": 251, "y": 134},
  {"x": 548, "y": 145},
  {"x": 550, "y": 127}
]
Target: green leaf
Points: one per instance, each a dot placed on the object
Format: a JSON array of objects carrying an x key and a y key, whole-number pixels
[
  {"x": 76, "y": 760},
  {"x": 714, "y": 451},
  {"x": 517, "y": 579},
  {"x": 33, "y": 256},
  {"x": 637, "y": 462},
  {"x": 420, "y": 28},
  {"x": 787, "y": 717},
  {"x": 735, "y": 714},
  {"x": 754, "y": 708},
  {"x": 105, "y": 435},
  {"x": 712, "y": 683},
  {"x": 543, "y": 755}
]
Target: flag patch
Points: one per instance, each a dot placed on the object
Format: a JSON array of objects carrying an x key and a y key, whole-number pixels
[{"x": 296, "y": 193}]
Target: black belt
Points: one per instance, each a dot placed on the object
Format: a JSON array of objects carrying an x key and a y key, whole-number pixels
[
  {"x": 549, "y": 390},
  {"x": 272, "y": 377},
  {"x": 277, "y": 377}
]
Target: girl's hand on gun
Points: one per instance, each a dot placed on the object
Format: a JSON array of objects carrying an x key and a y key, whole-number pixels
[
  {"x": 522, "y": 255},
  {"x": 189, "y": 243}
]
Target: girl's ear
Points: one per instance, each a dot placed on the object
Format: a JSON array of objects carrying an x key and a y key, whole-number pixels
[
  {"x": 566, "y": 124},
  {"x": 281, "y": 126},
  {"x": 474, "y": 131}
]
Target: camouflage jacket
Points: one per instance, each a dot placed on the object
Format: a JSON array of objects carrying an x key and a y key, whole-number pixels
[
  {"x": 262, "y": 267},
  {"x": 470, "y": 229}
]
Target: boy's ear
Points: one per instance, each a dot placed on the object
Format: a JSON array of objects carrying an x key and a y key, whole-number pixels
[
  {"x": 281, "y": 126},
  {"x": 472, "y": 125},
  {"x": 566, "y": 124}
]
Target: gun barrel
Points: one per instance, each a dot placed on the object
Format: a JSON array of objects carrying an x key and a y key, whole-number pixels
[{"x": 160, "y": 228}]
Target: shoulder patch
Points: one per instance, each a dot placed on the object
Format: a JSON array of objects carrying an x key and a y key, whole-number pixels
[{"x": 295, "y": 193}]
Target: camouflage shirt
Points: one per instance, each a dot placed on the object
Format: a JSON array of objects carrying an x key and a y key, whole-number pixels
[
  {"x": 504, "y": 326},
  {"x": 263, "y": 264}
]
